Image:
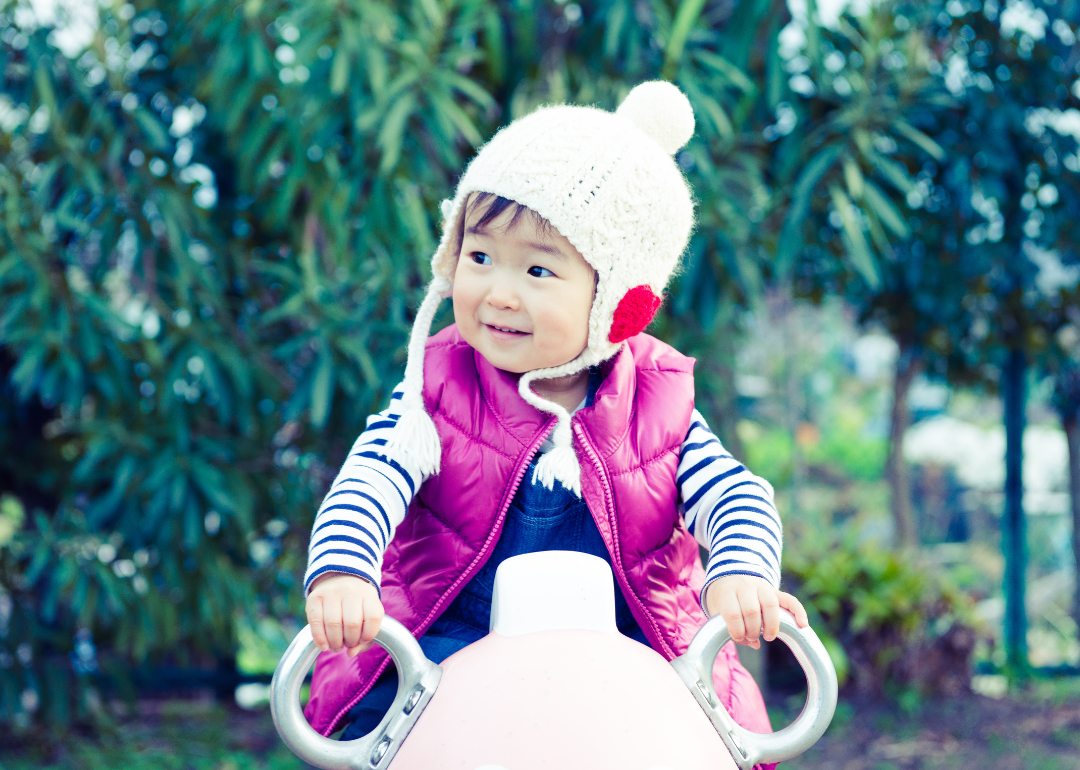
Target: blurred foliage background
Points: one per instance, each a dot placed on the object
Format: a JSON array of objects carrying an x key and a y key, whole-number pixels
[{"x": 215, "y": 223}]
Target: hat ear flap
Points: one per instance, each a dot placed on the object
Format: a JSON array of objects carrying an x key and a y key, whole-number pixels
[
  {"x": 444, "y": 261},
  {"x": 636, "y": 310},
  {"x": 415, "y": 434}
]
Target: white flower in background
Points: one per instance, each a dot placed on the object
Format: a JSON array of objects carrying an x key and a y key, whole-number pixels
[
  {"x": 74, "y": 22},
  {"x": 186, "y": 117},
  {"x": 205, "y": 194},
  {"x": 977, "y": 455},
  {"x": 184, "y": 150},
  {"x": 874, "y": 356},
  {"x": 106, "y": 552},
  {"x": 39, "y": 121},
  {"x": 1022, "y": 16},
  {"x": 792, "y": 38},
  {"x": 1052, "y": 275},
  {"x": 11, "y": 115}
]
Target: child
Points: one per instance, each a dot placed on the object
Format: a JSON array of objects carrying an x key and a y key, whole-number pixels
[{"x": 543, "y": 419}]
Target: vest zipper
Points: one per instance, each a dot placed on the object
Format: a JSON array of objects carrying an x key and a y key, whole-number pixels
[
  {"x": 469, "y": 572},
  {"x": 616, "y": 556},
  {"x": 478, "y": 562}
]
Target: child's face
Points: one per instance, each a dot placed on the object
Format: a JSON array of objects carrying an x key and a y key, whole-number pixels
[{"x": 522, "y": 297}]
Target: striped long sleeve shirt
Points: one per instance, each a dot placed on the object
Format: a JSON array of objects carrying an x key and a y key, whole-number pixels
[{"x": 728, "y": 509}]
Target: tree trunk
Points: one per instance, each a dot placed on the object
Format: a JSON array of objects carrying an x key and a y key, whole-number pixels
[
  {"x": 1071, "y": 424},
  {"x": 1013, "y": 526},
  {"x": 896, "y": 470}
]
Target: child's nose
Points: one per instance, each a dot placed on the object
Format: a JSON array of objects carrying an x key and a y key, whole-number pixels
[{"x": 503, "y": 297}]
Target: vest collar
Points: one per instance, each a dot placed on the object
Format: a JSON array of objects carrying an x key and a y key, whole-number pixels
[
  {"x": 607, "y": 421},
  {"x": 499, "y": 391}
]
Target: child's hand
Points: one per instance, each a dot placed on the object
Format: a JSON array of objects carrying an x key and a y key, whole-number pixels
[
  {"x": 743, "y": 600},
  {"x": 344, "y": 612}
]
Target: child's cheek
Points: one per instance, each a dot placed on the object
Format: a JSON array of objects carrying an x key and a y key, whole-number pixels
[
  {"x": 458, "y": 301},
  {"x": 465, "y": 300}
]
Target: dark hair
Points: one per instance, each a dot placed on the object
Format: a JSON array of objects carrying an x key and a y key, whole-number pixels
[{"x": 494, "y": 210}]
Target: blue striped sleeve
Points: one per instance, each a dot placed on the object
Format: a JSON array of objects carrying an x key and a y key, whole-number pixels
[
  {"x": 365, "y": 504},
  {"x": 728, "y": 509}
]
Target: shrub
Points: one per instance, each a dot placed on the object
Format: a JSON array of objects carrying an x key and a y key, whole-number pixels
[
  {"x": 217, "y": 225},
  {"x": 901, "y": 625}
]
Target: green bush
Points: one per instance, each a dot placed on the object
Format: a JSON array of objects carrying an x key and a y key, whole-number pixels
[
  {"x": 901, "y": 626},
  {"x": 216, "y": 224},
  {"x": 769, "y": 451},
  {"x": 846, "y": 450}
]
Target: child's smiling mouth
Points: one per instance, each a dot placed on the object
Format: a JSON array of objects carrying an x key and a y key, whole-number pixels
[{"x": 501, "y": 330}]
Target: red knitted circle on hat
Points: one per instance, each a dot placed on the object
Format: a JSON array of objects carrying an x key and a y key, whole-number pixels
[{"x": 636, "y": 309}]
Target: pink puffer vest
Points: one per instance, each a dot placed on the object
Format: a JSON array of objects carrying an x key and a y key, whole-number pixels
[{"x": 628, "y": 444}]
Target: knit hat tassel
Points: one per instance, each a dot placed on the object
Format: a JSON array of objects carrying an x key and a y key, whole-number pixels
[
  {"x": 415, "y": 436},
  {"x": 559, "y": 463}
]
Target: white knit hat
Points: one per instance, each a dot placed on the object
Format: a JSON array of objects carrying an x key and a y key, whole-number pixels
[{"x": 608, "y": 183}]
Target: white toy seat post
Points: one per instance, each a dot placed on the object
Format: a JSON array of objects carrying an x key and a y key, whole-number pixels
[{"x": 553, "y": 590}]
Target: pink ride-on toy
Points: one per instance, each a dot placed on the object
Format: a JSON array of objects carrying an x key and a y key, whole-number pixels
[{"x": 554, "y": 685}]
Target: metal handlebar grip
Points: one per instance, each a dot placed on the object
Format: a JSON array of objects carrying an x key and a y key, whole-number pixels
[
  {"x": 748, "y": 748},
  {"x": 418, "y": 678}
]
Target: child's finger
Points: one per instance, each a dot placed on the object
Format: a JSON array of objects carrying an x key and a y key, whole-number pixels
[
  {"x": 354, "y": 651},
  {"x": 352, "y": 622},
  {"x": 315, "y": 620},
  {"x": 770, "y": 612},
  {"x": 373, "y": 615},
  {"x": 332, "y": 622},
  {"x": 732, "y": 615},
  {"x": 794, "y": 606},
  {"x": 751, "y": 614}
]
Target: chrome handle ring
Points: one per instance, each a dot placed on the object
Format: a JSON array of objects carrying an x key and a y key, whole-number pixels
[
  {"x": 418, "y": 679},
  {"x": 746, "y": 747}
]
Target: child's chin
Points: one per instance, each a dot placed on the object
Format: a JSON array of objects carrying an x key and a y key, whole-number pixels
[{"x": 507, "y": 364}]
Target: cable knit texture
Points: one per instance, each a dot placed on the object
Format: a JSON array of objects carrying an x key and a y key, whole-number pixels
[{"x": 608, "y": 182}]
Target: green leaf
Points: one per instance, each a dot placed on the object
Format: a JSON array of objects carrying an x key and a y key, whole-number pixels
[
  {"x": 392, "y": 132},
  {"x": 685, "y": 17},
  {"x": 322, "y": 388},
  {"x": 462, "y": 121},
  {"x": 27, "y": 372},
  {"x": 613, "y": 27},
  {"x": 471, "y": 88},
  {"x": 733, "y": 74},
  {"x": 886, "y": 211},
  {"x": 339, "y": 72},
  {"x": 433, "y": 11},
  {"x": 152, "y": 127},
  {"x": 853, "y": 178},
  {"x": 919, "y": 138},
  {"x": 858, "y": 248},
  {"x": 791, "y": 237},
  {"x": 712, "y": 108},
  {"x": 894, "y": 172},
  {"x": 212, "y": 483}
]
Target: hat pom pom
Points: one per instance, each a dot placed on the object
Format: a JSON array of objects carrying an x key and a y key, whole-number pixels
[{"x": 662, "y": 111}]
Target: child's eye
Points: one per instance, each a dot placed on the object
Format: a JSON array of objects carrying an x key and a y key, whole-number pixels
[
  {"x": 481, "y": 258},
  {"x": 539, "y": 272}
]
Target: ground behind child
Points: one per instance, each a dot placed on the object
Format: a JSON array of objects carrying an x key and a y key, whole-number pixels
[{"x": 1037, "y": 728}]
